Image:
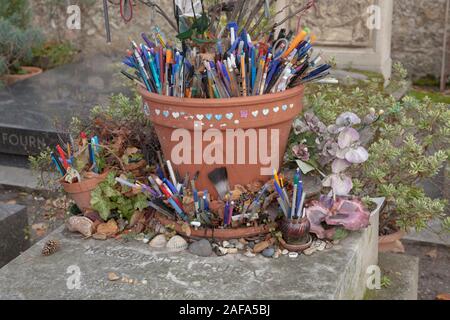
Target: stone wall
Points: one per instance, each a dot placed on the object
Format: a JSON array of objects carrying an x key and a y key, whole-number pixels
[
  {"x": 416, "y": 38},
  {"x": 51, "y": 16}
]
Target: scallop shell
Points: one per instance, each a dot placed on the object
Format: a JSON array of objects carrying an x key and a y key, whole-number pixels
[
  {"x": 158, "y": 242},
  {"x": 177, "y": 243}
]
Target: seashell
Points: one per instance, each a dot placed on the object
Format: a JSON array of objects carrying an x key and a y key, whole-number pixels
[
  {"x": 158, "y": 242},
  {"x": 82, "y": 225},
  {"x": 112, "y": 276},
  {"x": 177, "y": 243},
  {"x": 293, "y": 255},
  {"x": 284, "y": 252}
]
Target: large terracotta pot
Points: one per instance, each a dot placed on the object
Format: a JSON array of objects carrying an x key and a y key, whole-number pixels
[
  {"x": 271, "y": 112},
  {"x": 13, "y": 78},
  {"x": 80, "y": 192},
  {"x": 391, "y": 242}
]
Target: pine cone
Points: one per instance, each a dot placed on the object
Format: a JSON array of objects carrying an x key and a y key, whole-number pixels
[{"x": 50, "y": 247}]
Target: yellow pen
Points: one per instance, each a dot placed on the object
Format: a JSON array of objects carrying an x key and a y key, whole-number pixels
[
  {"x": 298, "y": 38},
  {"x": 243, "y": 76},
  {"x": 275, "y": 175}
]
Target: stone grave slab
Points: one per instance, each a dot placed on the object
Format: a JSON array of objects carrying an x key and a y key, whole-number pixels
[
  {"x": 29, "y": 108},
  {"x": 79, "y": 270},
  {"x": 13, "y": 222}
]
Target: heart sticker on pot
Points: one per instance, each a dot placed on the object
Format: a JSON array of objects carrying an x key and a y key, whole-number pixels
[
  {"x": 291, "y": 105},
  {"x": 218, "y": 117},
  {"x": 244, "y": 113},
  {"x": 276, "y": 109},
  {"x": 166, "y": 113},
  {"x": 208, "y": 116},
  {"x": 284, "y": 107},
  {"x": 175, "y": 114},
  {"x": 200, "y": 117},
  {"x": 255, "y": 113},
  {"x": 157, "y": 111},
  {"x": 229, "y": 116},
  {"x": 265, "y": 112}
]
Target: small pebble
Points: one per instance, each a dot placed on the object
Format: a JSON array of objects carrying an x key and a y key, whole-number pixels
[
  {"x": 251, "y": 244},
  {"x": 268, "y": 252},
  {"x": 232, "y": 250},
  {"x": 285, "y": 252},
  {"x": 249, "y": 254},
  {"x": 293, "y": 255},
  {"x": 113, "y": 276},
  {"x": 145, "y": 240},
  {"x": 144, "y": 281}
]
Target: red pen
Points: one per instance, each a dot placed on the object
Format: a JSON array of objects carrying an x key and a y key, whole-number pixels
[{"x": 62, "y": 155}]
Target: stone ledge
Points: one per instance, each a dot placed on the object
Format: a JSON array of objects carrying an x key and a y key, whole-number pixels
[
  {"x": 403, "y": 272},
  {"x": 13, "y": 221},
  {"x": 337, "y": 273}
]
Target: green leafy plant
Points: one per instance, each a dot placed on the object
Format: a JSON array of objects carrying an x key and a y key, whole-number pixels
[
  {"x": 16, "y": 46},
  {"x": 409, "y": 144},
  {"x": 412, "y": 145},
  {"x": 110, "y": 196},
  {"x": 16, "y": 11},
  {"x": 52, "y": 54}
]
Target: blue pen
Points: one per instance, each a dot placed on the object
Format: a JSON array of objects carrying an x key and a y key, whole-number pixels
[
  {"x": 253, "y": 50},
  {"x": 299, "y": 193},
  {"x": 170, "y": 185},
  {"x": 151, "y": 63},
  {"x": 57, "y": 164},
  {"x": 205, "y": 197},
  {"x": 159, "y": 172},
  {"x": 92, "y": 157},
  {"x": 178, "y": 209}
]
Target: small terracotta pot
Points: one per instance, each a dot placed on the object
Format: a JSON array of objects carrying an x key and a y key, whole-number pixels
[
  {"x": 295, "y": 230},
  {"x": 219, "y": 234},
  {"x": 297, "y": 247},
  {"x": 80, "y": 192},
  {"x": 13, "y": 78},
  {"x": 266, "y": 114},
  {"x": 391, "y": 242}
]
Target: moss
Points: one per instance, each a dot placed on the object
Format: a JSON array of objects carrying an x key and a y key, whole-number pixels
[{"x": 436, "y": 97}]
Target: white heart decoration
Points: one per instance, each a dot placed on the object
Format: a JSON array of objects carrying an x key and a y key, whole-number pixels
[
  {"x": 229, "y": 116},
  {"x": 200, "y": 117},
  {"x": 291, "y": 105},
  {"x": 157, "y": 111},
  {"x": 276, "y": 109},
  {"x": 255, "y": 113},
  {"x": 265, "y": 112},
  {"x": 175, "y": 114}
]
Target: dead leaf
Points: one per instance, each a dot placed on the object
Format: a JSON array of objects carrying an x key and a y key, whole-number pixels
[
  {"x": 109, "y": 228},
  {"x": 432, "y": 253},
  {"x": 40, "y": 229},
  {"x": 186, "y": 229},
  {"x": 131, "y": 150}
]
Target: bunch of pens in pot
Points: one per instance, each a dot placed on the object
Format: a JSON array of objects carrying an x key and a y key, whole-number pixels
[
  {"x": 71, "y": 154},
  {"x": 179, "y": 199},
  {"x": 292, "y": 207},
  {"x": 236, "y": 67}
]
